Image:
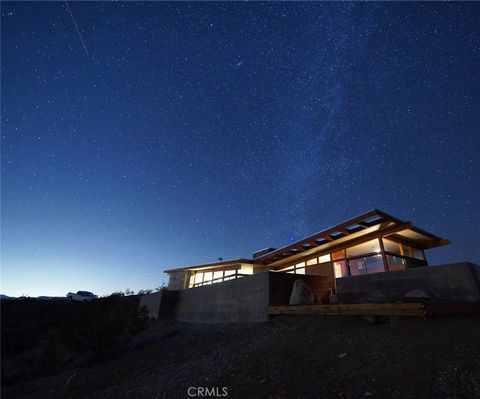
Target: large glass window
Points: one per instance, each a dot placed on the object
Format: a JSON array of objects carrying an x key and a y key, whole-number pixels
[
  {"x": 357, "y": 267},
  {"x": 369, "y": 264},
  {"x": 391, "y": 246},
  {"x": 340, "y": 268},
  {"x": 374, "y": 264},
  {"x": 418, "y": 254},
  {"x": 402, "y": 249},
  {"x": 405, "y": 250},
  {"x": 198, "y": 277},
  {"x": 395, "y": 263},
  {"x": 368, "y": 247},
  {"x": 207, "y": 276}
]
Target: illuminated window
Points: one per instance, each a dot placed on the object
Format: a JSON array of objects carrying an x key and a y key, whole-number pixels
[
  {"x": 418, "y": 253},
  {"x": 246, "y": 269},
  {"x": 218, "y": 275},
  {"x": 338, "y": 255},
  {"x": 301, "y": 264},
  {"x": 395, "y": 263},
  {"x": 406, "y": 250},
  {"x": 198, "y": 277},
  {"x": 368, "y": 264},
  {"x": 340, "y": 268},
  {"x": 324, "y": 258},
  {"x": 207, "y": 276},
  {"x": 391, "y": 246},
  {"x": 368, "y": 247},
  {"x": 374, "y": 264},
  {"x": 300, "y": 271},
  {"x": 229, "y": 273},
  {"x": 312, "y": 262},
  {"x": 357, "y": 267}
]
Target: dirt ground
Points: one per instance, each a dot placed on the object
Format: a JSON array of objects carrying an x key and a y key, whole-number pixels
[{"x": 287, "y": 357}]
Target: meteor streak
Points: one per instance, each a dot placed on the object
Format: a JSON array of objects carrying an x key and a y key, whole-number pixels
[{"x": 76, "y": 28}]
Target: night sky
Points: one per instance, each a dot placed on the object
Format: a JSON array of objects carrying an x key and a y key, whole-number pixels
[{"x": 137, "y": 137}]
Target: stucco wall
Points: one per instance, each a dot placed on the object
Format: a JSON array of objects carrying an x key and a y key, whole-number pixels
[{"x": 456, "y": 282}]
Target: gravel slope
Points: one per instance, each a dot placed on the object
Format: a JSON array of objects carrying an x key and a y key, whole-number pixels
[{"x": 287, "y": 357}]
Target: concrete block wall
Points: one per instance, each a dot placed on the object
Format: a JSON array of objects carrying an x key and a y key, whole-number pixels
[{"x": 456, "y": 282}]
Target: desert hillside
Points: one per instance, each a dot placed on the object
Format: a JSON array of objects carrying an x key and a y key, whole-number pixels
[{"x": 108, "y": 350}]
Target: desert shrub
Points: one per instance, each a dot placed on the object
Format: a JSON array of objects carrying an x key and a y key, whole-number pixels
[
  {"x": 62, "y": 335},
  {"x": 139, "y": 321}
]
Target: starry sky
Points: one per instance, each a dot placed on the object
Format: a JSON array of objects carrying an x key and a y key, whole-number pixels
[{"x": 138, "y": 137}]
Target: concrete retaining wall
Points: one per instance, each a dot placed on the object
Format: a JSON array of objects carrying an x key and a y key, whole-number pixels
[
  {"x": 456, "y": 282},
  {"x": 243, "y": 299},
  {"x": 159, "y": 305},
  {"x": 152, "y": 303}
]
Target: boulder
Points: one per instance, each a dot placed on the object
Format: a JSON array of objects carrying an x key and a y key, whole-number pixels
[{"x": 302, "y": 294}]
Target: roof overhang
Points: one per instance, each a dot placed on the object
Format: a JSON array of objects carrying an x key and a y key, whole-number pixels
[
  {"x": 235, "y": 263},
  {"x": 362, "y": 228}
]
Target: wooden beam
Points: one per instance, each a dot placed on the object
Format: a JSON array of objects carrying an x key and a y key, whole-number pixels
[
  {"x": 406, "y": 309},
  {"x": 444, "y": 309},
  {"x": 415, "y": 309},
  {"x": 384, "y": 256}
]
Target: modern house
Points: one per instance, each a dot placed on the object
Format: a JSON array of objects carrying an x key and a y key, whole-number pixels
[{"x": 374, "y": 242}]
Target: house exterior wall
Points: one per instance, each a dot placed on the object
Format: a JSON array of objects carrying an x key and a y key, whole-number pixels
[{"x": 176, "y": 280}]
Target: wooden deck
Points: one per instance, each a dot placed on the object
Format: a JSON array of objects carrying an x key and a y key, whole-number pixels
[{"x": 404, "y": 309}]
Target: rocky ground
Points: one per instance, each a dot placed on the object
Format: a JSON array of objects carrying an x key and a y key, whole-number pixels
[{"x": 287, "y": 357}]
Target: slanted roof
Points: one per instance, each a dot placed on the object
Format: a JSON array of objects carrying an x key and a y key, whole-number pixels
[{"x": 370, "y": 224}]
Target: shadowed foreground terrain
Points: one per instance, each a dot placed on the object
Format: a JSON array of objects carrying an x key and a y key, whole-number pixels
[{"x": 287, "y": 357}]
